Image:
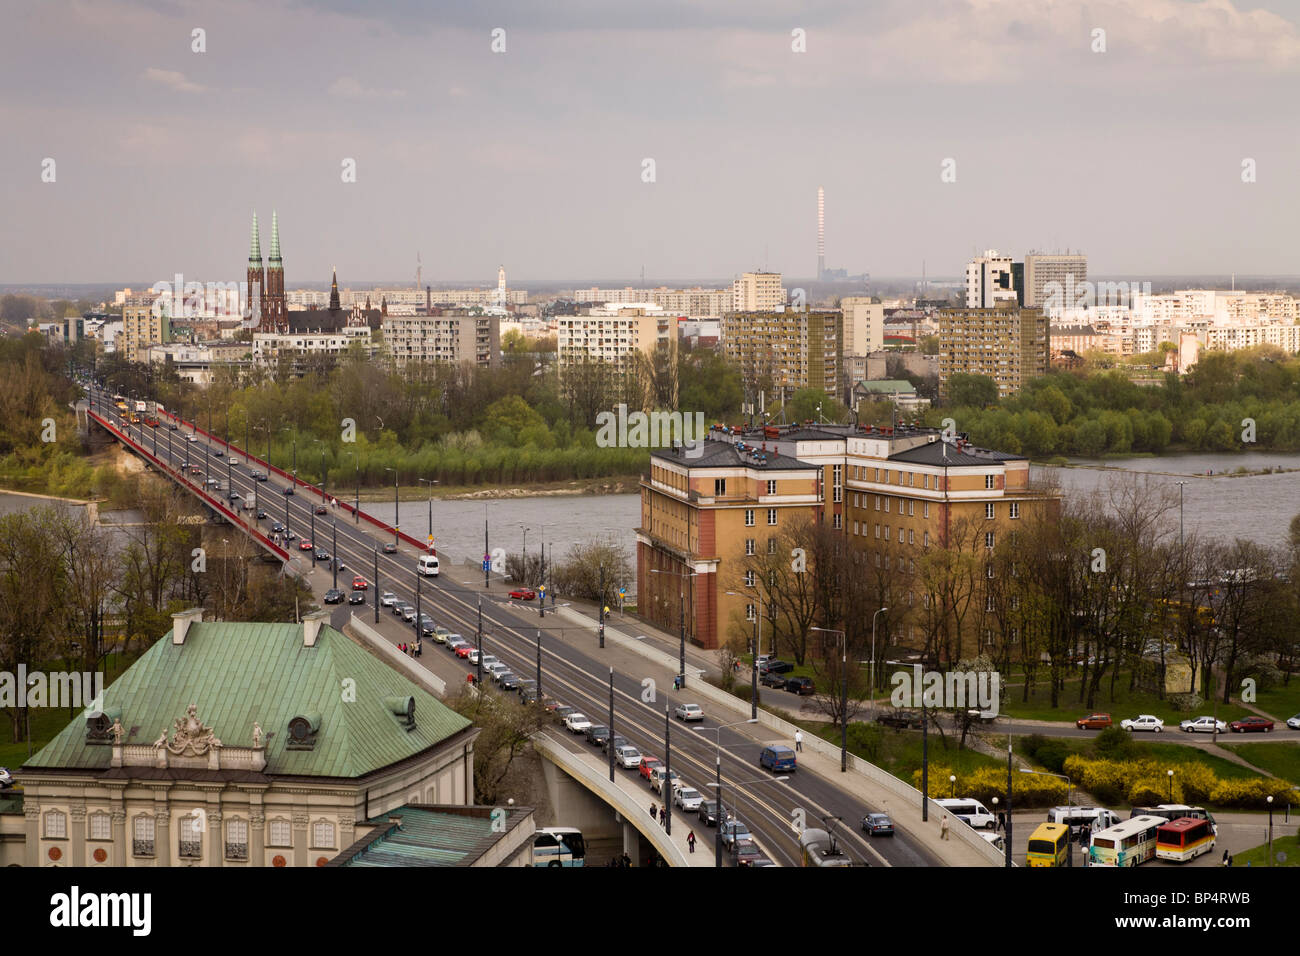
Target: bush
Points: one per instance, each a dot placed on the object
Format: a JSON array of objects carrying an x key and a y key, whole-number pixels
[
  {"x": 1249, "y": 794},
  {"x": 988, "y": 782},
  {"x": 865, "y": 739},
  {"x": 1186, "y": 703},
  {"x": 1115, "y": 743}
]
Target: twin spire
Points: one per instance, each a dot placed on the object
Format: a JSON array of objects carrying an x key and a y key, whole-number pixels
[{"x": 255, "y": 242}]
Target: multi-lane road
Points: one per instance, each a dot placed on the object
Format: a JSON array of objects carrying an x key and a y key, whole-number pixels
[{"x": 577, "y": 675}]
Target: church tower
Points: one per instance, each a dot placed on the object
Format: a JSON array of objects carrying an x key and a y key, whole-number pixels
[
  {"x": 334, "y": 292},
  {"x": 256, "y": 276},
  {"x": 274, "y": 313}
]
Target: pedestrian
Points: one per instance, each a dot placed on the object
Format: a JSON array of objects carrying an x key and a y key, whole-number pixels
[
  {"x": 943, "y": 827},
  {"x": 690, "y": 840},
  {"x": 627, "y": 860},
  {"x": 1002, "y": 820},
  {"x": 654, "y": 811},
  {"x": 662, "y": 816},
  {"x": 419, "y": 648},
  {"x": 1227, "y": 860},
  {"x": 798, "y": 740}
]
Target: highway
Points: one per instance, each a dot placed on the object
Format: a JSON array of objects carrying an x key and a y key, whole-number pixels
[{"x": 574, "y": 674}]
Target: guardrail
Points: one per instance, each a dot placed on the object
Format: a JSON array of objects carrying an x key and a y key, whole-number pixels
[{"x": 431, "y": 681}]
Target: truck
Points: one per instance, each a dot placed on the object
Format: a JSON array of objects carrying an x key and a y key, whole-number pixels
[{"x": 250, "y": 501}]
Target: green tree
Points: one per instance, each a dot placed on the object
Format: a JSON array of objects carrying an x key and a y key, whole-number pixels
[{"x": 971, "y": 391}]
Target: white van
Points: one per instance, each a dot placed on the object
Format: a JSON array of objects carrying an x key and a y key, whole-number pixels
[
  {"x": 1097, "y": 818},
  {"x": 428, "y": 565},
  {"x": 970, "y": 811},
  {"x": 250, "y": 501}
]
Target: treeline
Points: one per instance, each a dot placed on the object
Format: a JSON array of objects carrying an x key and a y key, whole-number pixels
[{"x": 1088, "y": 414}]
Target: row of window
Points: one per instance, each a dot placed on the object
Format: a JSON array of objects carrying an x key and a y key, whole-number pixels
[
  {"x": 720, "y": 490},
  {"x": 751, "y": 546},
  {"x": 749, "y": 517},
  {"x": 190, "y": 837},
  {"x": 990, "y": 507}
]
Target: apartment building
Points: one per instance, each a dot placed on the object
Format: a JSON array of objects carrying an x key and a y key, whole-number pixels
[
  {"x": 197, "y": 364},
  {"x": 141, "y": 327},
  {"x": 272, "y": 348},
  {"x": 445, "y": 336},
  {"x": 614, "y": 335},
  {"x": 688, "y": 302},
  {"x": 1047, "y": 274},
  {"x": 757, "y": 292},
  {"x": 864, "y": 324},
  {"x": 991, "y": 279},
  {"x": 788, "y": 350},
  {"x": 1010, "y": 345}
]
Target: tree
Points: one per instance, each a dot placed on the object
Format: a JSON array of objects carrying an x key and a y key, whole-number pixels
[
  {"x": 505, "y": 728},
  {"x": 971, "y": 391}
]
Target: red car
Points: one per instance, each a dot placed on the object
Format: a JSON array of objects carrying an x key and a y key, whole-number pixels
[
  {"x": 1249, "y": 724},
  {"x": 648, "y": 766},
  {"x": 523, "y": 594},
  {"x": 464, "y": 649},
  {"x": 305, "y": 545},
  {"x": 321, "y": 510},
  {"x": 1093, "y": 722},
  {"x": 359, "y": 583}
]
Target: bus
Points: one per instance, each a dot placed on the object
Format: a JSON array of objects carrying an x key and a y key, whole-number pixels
[
  {"x": 558, "y": 846},
  {"x": 1049, "y": 845},
  {"x": 1130, "y": 843},
  {"x": 1184, "y": 839},
  {"x": 1176, "y": 811}
]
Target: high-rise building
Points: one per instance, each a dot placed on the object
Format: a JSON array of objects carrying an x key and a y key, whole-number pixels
[
  {"x": 1066, "y": 271},
  {"x": 990, "y": 279},
  {"x": 141, "y": 327},
  {"x": 786, "y": 350},
  {"x": 1008, "y": 344},
  {"x": 451, "y": 335},
  {"x": 864, "y": 324},
  {"x": 821, "y": 232},
  {"x": 757, "y": 292}
]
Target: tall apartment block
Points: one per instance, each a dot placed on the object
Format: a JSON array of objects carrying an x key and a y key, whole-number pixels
[
  {"x": 864, "y": 324},
  {"x": 991, "y": 279},
  {"x": 447, "y": 336},
  {"x": 787, "y": 350},
  {"x": 140, "y": 327},
  {"x": 757, "y": 292},
  {"x": 1069, "y": 271},
  {"x": 1009, "y": 344}
]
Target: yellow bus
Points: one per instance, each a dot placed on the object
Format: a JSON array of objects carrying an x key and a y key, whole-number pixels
[{"x": 1049, "y": 845}]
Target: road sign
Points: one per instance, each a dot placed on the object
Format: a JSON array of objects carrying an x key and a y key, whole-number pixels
[
  {"x": 541, "y": 589},
  {"x": 622, "y": 592}
]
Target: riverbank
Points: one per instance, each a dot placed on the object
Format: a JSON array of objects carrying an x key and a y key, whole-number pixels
[{"x": 585, "y": 487}]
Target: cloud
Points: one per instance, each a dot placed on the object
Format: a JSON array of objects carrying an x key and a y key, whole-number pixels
[
  {"x": 173, "y": 80},
  {"x": 351, "y": 88}
]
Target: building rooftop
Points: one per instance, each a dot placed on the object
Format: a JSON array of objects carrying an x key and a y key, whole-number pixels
[
  {"x": 720, "y": 453},
  {"x": 430, "y": 836},
  {"x": 953, "y": 455}
]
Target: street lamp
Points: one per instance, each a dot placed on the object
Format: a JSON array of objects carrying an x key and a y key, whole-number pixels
[
  {"x": 1180, "y": 511},
  {"x": 681, "y": 601},
  {"x": 1269, "y": 800},
  {"x": 844, "y": 695},
  {"x": 753, "y": 648},
  {"x": 717, "y": 776},
  {"x": 524, "y": 582},
  {"x": 1171, "y": 786},
  {"x": 952, "y": 779},
  {"x": 317, "y": 441},
  {"x": 873, "y": 656},
  {"x": 430, "y": 482},
  {"x": 396, "y": 516}
]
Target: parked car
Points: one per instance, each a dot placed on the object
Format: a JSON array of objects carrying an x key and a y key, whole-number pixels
[
  {"x": 657, "y": 777},
  {"x": 387, "y": 599},
  {"x": 465, "y": 650},
  {"x": 408, "y": 613},
  {"x": 333, "y": 596},
  {"x": 528, "y": 695},
  {"x": 688, "y": 798},
  {"x": 772, "y": 679},
  {"x": 627, "y": 756},
  {"x": 616, "y": 741},
  {"x": 305, "y": 545},
  {"x": 1207, "y": 725},
  {"x": 287, "y": 490},
  {"x": 440, "y": 634},
  {"x": 902, "y": 719},
  {"x": 775, "y": 666},
  {"x": 649, "y": 765},
  {"x": 688, "y": 712},
  {"x": 1097, "y": 721},
  {"x": 803, "y": 686},
  {"x": 1143, "y": 722},
  {"x": 734, "y": 830},
  {"x": 322, "y": 554},
  {"x": 523, "y": 594},
  {"x": 357, "y": 597},
  {"x": 1251, "y": 725},
  {"x": 709, "y": 813},
  {"x": 878, "y": 824},
  {"x": 746, "y": 853},
  {"x": 6, "y": 778},
  {"x": 1293, "y": 722},
  {"x": 576, "y": 723},
  {"x": 597, "y": 734},
  {"x": 970, "y": 811},
  {"x": 524, "y": 684}
]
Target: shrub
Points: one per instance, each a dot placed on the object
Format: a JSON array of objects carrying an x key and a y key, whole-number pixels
[
  {"x": 1186, "y": 703},
  {"x": 1115, "y": 743}
]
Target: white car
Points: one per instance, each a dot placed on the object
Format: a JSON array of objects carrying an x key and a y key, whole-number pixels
[
  {"x": 657, "y": 779},
  {"x": 1144, "y": 722},
  {"x": 388, "y": 599},
  {"x": 495, "y": 670},
  {"x": 1293, "y": 722},
  {"x": 1204, "y": 724},
  {"x": 577, "y": 723},
  {"x": 488, "y": 661},
  {"x": 191, "y": 438},
  {"x": 685, "y": 712},
  {"x": 473, "y": 656},
  {"x": 688, "y": 798},
  {"x": 234, "y": 461},
  {"x": 628, "y": 756}
]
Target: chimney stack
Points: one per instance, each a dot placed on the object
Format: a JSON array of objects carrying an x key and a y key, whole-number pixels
[
  {"x": 311, "y": 625},
  {"x": 181, "y": 622}
]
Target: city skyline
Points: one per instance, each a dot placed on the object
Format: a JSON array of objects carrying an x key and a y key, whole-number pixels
[{"x": 476, "y": 158}]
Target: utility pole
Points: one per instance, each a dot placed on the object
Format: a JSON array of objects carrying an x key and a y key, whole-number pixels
[
  {"x": 610, "y": 742},
  {"x": 487, "y": 552},
  {"x": 668, "y": 773},
  {"x": 539, "y": 667},
  {"x": 541, "y": 596},
  {"x": 480, "y": 643},
  {"x": 334, "y": 556},
  {"x": 601, "y": 628}
]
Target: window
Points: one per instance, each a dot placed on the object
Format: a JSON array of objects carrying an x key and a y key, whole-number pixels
[
  {"x": 989, "y": 511},
  {"x": 911, "y": 507},
  {"x": 855, "y": 527},
  {"x": 142, "y": 836},
  {"x": 750, "y": 612},
  {"x": 886, "y": 506},
  {"x": 900, "y": 535},
  {"x": 749, "y": 517},
  {"x": 749, "y": 579},
  {"x": 56, "y": 825},
  {"x": 771, "y": 516},
  {"x": 771, "y": 487},
  {"x": 886, "y": 532},
  {"x": 925, "y": 539},
  {"x": 857, "y": 500},
  {"x": 190, "y": 838},
  {"x": 281, "y": 833},
  {"x": 988, "y": 636},
  {"x": 988, "y": 571},
  {"x": 838, "y": 522},
  {"x": 911, "y": 536},
  {"x": 925, "y": 509},
  {"x": 719, "y": 486},
  {"x": 988, "y": 603},
  {"x": 988, "y": 539},
  {"x": 877, "y": 531},
  {"x": 925, "y": 481},
  {"x": 101, "y": 826},
  {"x": 749, "y": 547},
  {"x": 771, "y": 545},
  {"x": 837, "y": 481},
  {"x": 1015, "y": 509},
  {"x": 877, "y": 502},
  {"x": 990, "y": 482},
  {"x": 236, "y": 839},
  {"x": 322, "y": 834},
  {"x": 877, "y": 474},
  {"x": 1015, "y": 602}
]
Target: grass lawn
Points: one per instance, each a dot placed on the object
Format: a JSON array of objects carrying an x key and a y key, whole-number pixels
[
  {"x": 899, "y": 752},
  {"x": 1258, "y": 856},
  {"x": 1281, "y": 702},
  {"x": 1172, "y": 754},
  {"x": 1281, "y": 759},
  {"x": 46, "y": 724},
  {"x": 1125, "y": 704}
]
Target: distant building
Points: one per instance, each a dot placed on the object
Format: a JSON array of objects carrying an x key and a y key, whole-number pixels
[
  {"x": 1009, "y": 345},
  {"x": 1068, "y": 271},
  {"x": 757, "y": 292},
  {"x": 899, "y": 391},
  {"x": 141, "y": 327},
  {"x": 270, "y": 349},
  {"x": 990, "y": 280},
  {"x": 786, "y": 350},
  {"x": 864, "y": 324},
  {"x": 452, "y": 335},
  {"x": 196, "y": 363}
]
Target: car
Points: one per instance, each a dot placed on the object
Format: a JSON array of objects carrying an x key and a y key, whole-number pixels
[
  {"x": 734, "y": 830},
  {"x": 576, "y": 723},
  {"x": 803, "y": 686},
  {"x": 277, "y": 526},
  {"x": 657, "y": 779},
  {"x": 528, "y": 695},
  {"x": 1293, "y": 722},
  {"x": 508, "y": 681},
  {"x": 709, "y": 813},
  {"x": 489, "y": 660},
  {"x": 473, "y": 655},
  {"x": 426, "y": 624},
  {"x": 191, "y": 438},
  {"x": 210, "y": 482},
  {"x": 648, "y": 765},
  {"x": 688, "y": 712},
  {"x": 387, "y": 599},
  {"x": 440, "y": 634},
  {"x": 455, "y": 639},
  {"x": 321, "y": 510},
  {"x": 778, "y": 758},
  {"x": 465, "y": 650},
  {"x": 322, "y": 554},
  {"x": 172, "y": 426},
  {"x": 396, "y": 607},
  {"x": 333, "y": 596},
  {"x": 878, "y": 824},
  {"x": 551, "y": 705},
  {"x": 261, "y": 515},
  {"x": 746, "y": 853},
  {"x": 616, "y": 741},
  {"x": 305, "y": 545},
  {"x": 234, "y": 496},
  {"x": 524, "y": 683},
  {"x": 523, "y": 594},
  {"x": 1143, "y": 722},
  {"x": 772, "y": 679},
  {"x": 1206, "y": 725},
  {"x": 597, "y": 734},
  {"x": 1251, "y": 725},
  {"x": 762, "y": 660},
  {"x": 234, "y": 461},
  {"x": 902, "y": 719},
  {"x": 257, "y": 475},
  {"x": 775, "y": 667},
  {"x": 290, "y": 536},
  {"x": 688, "y": 798},
  {"x": 390, "y": 548},
  {"x": 287, "y": 490},
  {"x": 408, "y": 613},
  {"x": 627, "y": 756},
  {"x": 195, "y": 470},
  {"x": 357, "y": 597},
  {"x": 359, "y": 583},
  {"x": 1098, "y": 721},
  {"x": 216, "y": 453}
]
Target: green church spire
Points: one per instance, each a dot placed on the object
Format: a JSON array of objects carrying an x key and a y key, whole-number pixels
[
  {"x": 255, "y": 245},
  {"x": 275, "y": 237}
]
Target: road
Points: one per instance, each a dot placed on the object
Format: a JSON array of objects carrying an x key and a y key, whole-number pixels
[{"x": 579, "y": 676}]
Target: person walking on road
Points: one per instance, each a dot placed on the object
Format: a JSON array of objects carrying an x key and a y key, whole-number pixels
[
  {"x": 690, "y": 840},
  {"x": 662, "y": 816},
  {"x": 798, "y": 740},
  {"x": 654, "y": 812},
  {"x": 943, "y": 827}
]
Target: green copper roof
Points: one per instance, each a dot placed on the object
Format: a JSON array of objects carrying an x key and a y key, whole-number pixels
[
  {"x": 255, "y": 245},
  {"x": 429, "y": 838},
  {"x": 275, "y": 237},
  {"x": 236, "y": 674}
]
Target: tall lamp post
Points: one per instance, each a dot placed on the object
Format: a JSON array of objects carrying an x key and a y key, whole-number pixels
[
  {"x": 681, "y": 601},
  {"x": 317, "y": 441},
  {"x": 396, "y": 515},
  {"x": 717, "y": 777},
  {"x": 753, "y": 646},
  {"x": 844, "y": 695},
  {"x": 430, "y": 482},
  {"x": 873, "y": 656}
]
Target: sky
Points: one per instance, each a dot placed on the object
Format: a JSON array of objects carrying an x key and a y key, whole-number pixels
[{"x": 534, "y": 155}]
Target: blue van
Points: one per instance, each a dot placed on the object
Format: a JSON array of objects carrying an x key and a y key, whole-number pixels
[{"x": 777, "y": 757}]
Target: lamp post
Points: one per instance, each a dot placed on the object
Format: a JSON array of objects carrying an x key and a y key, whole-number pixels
[
  {"x": 1171, "y": 786},
  {"x": 396, "y": 515},
  {"x": 317, "y": 441},
  {"x": 525, "y": 560},
  {"x": 334, "y": 555},
  {"x": 844, "y": 695},
  {"x": 681, "y": 600},
  {"x": 717, "y": 777},
  {"x": 1269, "y": 800},
  {"x": 430, "y": 482},
  {"x": 1180, "y": 485},
  {"x": 873, "y": 657},
  {"x": 356, "y": 507},
  {"x": 753, "y": 648},
  {"x": 952, "y": 779}
]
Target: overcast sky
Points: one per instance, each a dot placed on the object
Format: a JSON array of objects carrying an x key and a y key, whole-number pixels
[{"x": 534, "y": 157}]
